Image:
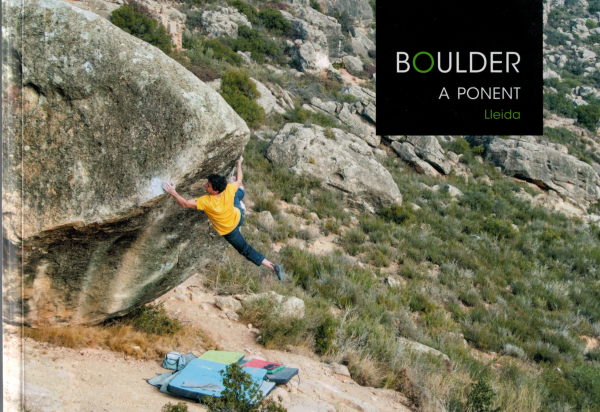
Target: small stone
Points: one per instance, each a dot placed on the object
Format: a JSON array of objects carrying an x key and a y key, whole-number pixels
[
  {"x": 181, "y": 297},
  {"x": 249, "y": 326},
  {"x": 339, "y": 369},
  {"x": 280, "y": 393},
  {"x": 228, "y": 304},
  {"x": 233, "y": 316},
  {"x": 135, "y": 347}
]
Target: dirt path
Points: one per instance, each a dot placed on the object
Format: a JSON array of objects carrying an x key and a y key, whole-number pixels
[{"x": 95, "y": 380}]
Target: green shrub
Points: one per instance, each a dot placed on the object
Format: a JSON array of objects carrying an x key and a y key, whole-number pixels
[
  {"x": 198, "y": 53},
  {"x": 316, "y": 5},
  {"x": 180, "y": 407},
  {"x": 252, "y": 41},
  {"x": 246, "y": 9},
  {"x": 558, "y": 103},
  {"x": 241, "y": 394},
  {"x": 353, "y": 241},
  {"x": 222, "y": 51},
  {"x": 397, "y": 214},
  {"x": 590, "y": 24},
  {"x": 142, "y": 27},
  {"x": 239, "y": 92},
  {"x": 419, "y": 303},
  {"x": 325, "y": 336},
  {"x": 481, "y": 398},
  {"x": 499, "y": 229},
  {"x": 588, "y": 116},
  {"x": 273, "y": 20}
]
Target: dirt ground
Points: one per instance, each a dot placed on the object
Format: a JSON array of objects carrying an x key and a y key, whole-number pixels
[{"x": 56, "y": 379}]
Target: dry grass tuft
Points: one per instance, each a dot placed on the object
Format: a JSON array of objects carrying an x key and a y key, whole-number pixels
[
  {"x": 363, "y": 370},
  {"x": 124, "y": 339}
]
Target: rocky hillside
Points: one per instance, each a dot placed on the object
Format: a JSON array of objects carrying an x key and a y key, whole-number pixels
[{"x": 440, "y": 272}]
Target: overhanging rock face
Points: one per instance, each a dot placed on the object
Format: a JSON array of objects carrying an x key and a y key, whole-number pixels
[{"x": 100, "y": 120}]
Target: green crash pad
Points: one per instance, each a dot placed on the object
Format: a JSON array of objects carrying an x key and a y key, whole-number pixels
[{"x": 222, "y": 357}]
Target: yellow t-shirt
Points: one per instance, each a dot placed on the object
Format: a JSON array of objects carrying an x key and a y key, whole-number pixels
[{"x": 220, "y": 210}]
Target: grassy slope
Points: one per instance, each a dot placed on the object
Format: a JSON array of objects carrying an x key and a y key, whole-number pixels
[{"x": 527, "y": 295}]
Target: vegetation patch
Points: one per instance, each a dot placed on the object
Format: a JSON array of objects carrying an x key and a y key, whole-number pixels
[
  {"x": 132, "y": 21},
  {"x": 240, "y": 92}
]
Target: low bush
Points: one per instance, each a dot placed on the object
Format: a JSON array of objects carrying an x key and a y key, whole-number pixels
[
  {"x": 481, "y": 398},
  {"x": 273, "y": 20},
  {"x": 325, "y": 336},
  {"x": 588, "y": 116},
  {"x": 246, "y": 9},
  {"x": 250, "y": 40},
  {"x": 240, "y": 394},
  {"x": 398, "y": 214},
  {"x": 316, "y": 5},
  {"x": 141, "y": 26},
  {"x": 180, "y": 407},
  {"x": 559, "y": 104},
  {"x": 240, "y": 92},
  {"x": 222, "y": 51},
  {"x": 499, "y": 229}
]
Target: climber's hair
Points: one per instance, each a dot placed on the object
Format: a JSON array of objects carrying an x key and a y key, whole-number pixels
[{"x": 218, "y": 182}]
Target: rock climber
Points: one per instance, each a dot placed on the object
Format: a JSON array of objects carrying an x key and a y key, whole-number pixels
[{"x": 224, "y": 209}]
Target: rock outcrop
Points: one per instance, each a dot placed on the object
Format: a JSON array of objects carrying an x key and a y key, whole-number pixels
[
  {"x": 224, "y": 21},
  {"x": 548, "y": 165},
  {"x": 362, "y": 44},
  {"x": 340, "y": 160},
  {"x": 360, "y": 115},
  {"x": 267, "y": 99},
  {"x": 324, "y": 32},
  {"x": 308, "y": 56},
  {"x": 360, "y": 11},
  {"x": 424, "y": 153},
  {"x": 100, "y": 120}
]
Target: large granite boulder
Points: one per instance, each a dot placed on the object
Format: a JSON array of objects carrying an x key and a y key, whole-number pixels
[
  {"x": 94, "y": 120},
  {"x": 546, "y": 164},
  {"x": 340, "y": 160}
]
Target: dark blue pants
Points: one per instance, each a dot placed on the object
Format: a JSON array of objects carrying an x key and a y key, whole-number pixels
[{"x": 236, "y": 239}]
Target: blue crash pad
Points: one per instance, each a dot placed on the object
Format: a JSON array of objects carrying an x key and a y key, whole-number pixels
[
  {"x": 283, "y": 376},
  {"x": 202, "y": 378}
]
